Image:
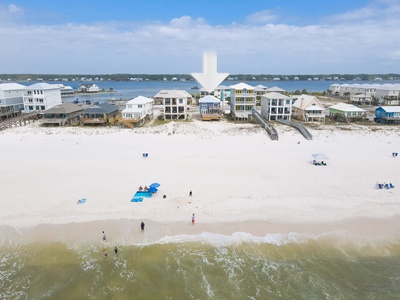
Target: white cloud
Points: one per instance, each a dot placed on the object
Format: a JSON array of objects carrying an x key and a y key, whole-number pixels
[
  {"x": 265, "y": 16},
  {"x": 13, "y": 9},
  {"x": 177, "y": 47}
]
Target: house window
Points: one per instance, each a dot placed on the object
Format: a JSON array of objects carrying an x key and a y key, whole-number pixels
[
  {"x": 29, "y": 92},
  {"x": 288, "y": 102},
  {"x": 180, "y": 101},
  {"x": 140, "y": 106}
]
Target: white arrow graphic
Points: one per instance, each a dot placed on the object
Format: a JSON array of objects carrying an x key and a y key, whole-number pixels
[{"x": 210, "y": 79}]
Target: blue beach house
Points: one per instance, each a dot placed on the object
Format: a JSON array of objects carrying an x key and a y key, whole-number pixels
[
  {"x": 210, "y": 108},
  {"x": 387, "y": 115}
]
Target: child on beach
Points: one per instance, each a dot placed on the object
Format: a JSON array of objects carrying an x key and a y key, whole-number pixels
[{"x": 193, "y": 218}]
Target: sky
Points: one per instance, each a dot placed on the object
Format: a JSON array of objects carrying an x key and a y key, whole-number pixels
[{"x": 170, "y": 36}]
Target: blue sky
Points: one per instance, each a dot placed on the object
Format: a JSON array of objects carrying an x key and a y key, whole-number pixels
[{"x": 170, "y": 36}]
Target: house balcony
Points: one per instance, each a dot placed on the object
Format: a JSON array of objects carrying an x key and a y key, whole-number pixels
[
  {"x": 94, "y": 120},
  {"x": 390, "y": 117}
]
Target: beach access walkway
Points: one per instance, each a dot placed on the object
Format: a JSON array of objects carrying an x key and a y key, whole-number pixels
[
  {"x": 300, "y": 127},
  {"x": 267, "y": 126},
  {"x": 20, "y": 120}
]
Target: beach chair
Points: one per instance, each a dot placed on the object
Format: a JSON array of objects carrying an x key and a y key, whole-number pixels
[
  {"x": 386, "y": 186},
  {"x": 391, "y": 185},
  {"x": 380, "y": 186}
]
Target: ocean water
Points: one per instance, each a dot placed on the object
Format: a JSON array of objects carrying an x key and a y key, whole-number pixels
[{"x": 205, "y": 266}]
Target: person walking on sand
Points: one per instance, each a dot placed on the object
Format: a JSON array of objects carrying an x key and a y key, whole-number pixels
[
  {"x": 105, "y": 253},
  {"x": 193, "y": 219},
  {"x": 190, "y": 193},
  {"x": 104, "y": 237},
  {"x": 142, "y": 226},
  {"x": 115, "y": 250}
]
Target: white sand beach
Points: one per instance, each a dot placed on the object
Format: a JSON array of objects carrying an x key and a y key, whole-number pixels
[{"x": 241, "y": 179}]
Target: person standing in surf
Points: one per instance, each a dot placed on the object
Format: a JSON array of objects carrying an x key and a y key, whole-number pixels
[
  {"x": 142, "y": 226},
  {"x": 193, "y": 218}
]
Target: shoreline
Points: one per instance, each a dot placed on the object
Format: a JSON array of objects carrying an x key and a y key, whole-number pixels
[{"x": 125, "y": 232}]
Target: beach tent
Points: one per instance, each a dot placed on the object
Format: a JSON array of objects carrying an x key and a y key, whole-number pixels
[{"x": 319, "y": 156}]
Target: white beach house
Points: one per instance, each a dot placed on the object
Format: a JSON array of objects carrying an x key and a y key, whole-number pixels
[
  {"x": 175, "y": 103},
  {"x": 11, "y": 100},
  {"x": 137, "y": 111},
  {"x": 276, "y": 106},
  {"x": 88, "y": 88},
  {"x": 243, "y": 101},
  {"x": 41, "y": 96}
]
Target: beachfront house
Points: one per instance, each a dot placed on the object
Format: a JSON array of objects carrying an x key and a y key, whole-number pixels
[
  {"x": 62, "y": 115},
  {"x": 11, "y": 100},
  {"x": 103, "y": 113},
  {"x": 243, "y": 101},
  {"x": 175, "y": 104},
  {"x": 88, "y": 88},
  {"x": 210, "y": 108},
  {"x": 308, "y": 108},
  {"x": 66, "y": 90},
  {"x": 41, "y": 97},
  {"x": 259, "y": 91},
  {"x": 361, "y": 99},
  {"x": 162, "y": 95},
  {"x": 276, "y": 89},
  {"x": 276, "y": 106},
  {"x": 387, "y": 115},
  {"x": 388, "y": 94},
  {"x": 204, "y": 92},
  {"x": 222, "y": 92},
  {"x": 346, "y": 112},
  {"x": 137, "y": 111}
]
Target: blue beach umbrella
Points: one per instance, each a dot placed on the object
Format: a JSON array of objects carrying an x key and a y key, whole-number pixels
[
  {"x": 155, "y": 185},
  {"x": 152, "y": 189}
]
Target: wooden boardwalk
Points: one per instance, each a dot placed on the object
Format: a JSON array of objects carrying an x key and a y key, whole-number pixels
[{"x": 20, "y": 120}]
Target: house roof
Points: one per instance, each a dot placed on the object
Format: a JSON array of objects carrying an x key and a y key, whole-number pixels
[
  {"x": 390, "y": 109},
  {"x": 303, "y": 101},
  {"x": 260, "y": 88},
  {"x": 241, "y": 86},
  {"x": 102, "y": 108},
  {"x": 275, "y": 95},
  {"x": 275, "y": 89},
  {"x": 222, "y": 87},
  {"x": 43, "y": 86},
  {"x": 11, "y": 86},
  {"x": 346, "y": 107},
  {"x": 173, "y": 94},
  {"x": 209, "y": 99},
  {"x": 140, "y": 100},
  {"x": 65, "y": 108}
]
